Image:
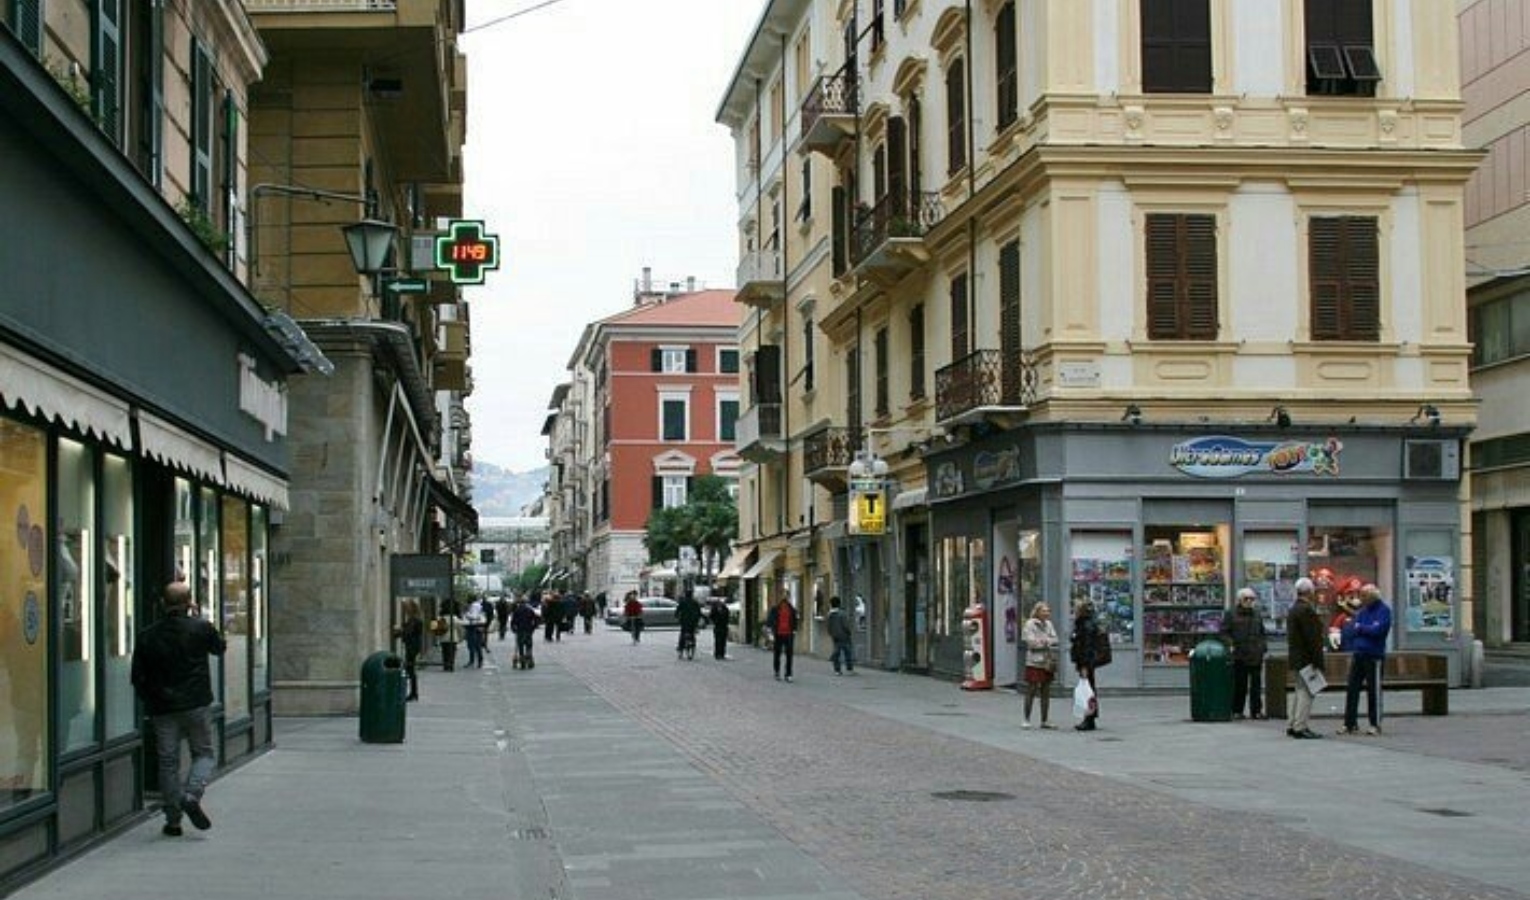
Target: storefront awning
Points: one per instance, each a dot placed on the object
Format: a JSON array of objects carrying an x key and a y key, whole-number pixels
[
  {"x": 763, "y": 564},
  {"x": 177, "y": 449},
  {"x": 909, "y": 499},
  {"x": 461, "y": 515},
  {"x": 256, "y": 483},
  {"x": 50, "y": 393},
  {"x": 736, "y": 563}
]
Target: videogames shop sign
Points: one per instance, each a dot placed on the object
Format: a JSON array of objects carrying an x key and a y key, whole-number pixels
[{"x": 1231, "y": 457}]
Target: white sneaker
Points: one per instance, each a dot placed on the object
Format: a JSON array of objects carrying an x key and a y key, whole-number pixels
[
  {"x": 1372, "y": 731},
  {"x": 1025, "y": 723}
]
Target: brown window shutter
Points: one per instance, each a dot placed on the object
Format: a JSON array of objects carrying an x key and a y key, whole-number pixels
[
  {"x": 1344, "y": 278},
  {"x": 959, "y": 342},
  {"x": 1009, "y": 321},
  {"x": 839, "y": 239},
  {"x": 1199, "y": 320},
  {"x": 897, "y": 165},
  {"x": 1006, "y": 74},
  {"x": 956, "y": 117},
  {"x": 1362, "y": 272},
  {"x": 1162, "y": 242}
]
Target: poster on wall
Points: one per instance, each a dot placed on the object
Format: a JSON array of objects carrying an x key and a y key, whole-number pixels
[
  {"x": 1005, "y": 594},
  {"x": 1431, "y": 586}
]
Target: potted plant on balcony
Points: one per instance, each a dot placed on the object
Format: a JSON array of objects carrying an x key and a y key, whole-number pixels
[{"x": 903, "y": 227}]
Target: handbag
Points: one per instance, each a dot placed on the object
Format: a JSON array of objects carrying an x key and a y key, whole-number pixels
[
  {"x": 437, "y": 627},
  {"x": 1083, "y": 700}
]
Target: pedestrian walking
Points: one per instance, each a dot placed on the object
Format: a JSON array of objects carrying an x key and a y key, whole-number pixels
[
  {"x": 632, "y": 608},
  {"x": 1372, "y": 625},
  {"x": 688, "y": 615},
  {"x": 1244, "y": 631},
  {"x": 523, "y": 622},
  {"x": 1039, "y": 636},
  {"x": 503, "y": 607},
  {"x": 717, "y": 615},
  {"x": 781, "y": 623},
  {"x": 552, "y": 616},
  {"x": 411, "y": 633},
  {"x": 843, "y": 637},
  {"x": 474, "y": 623},
  {"x": 171, "y": 674},
  {"x": 451, "y": 634},
  {"x": 587, "y": 612},
  {"x": 1304, "y": 647},
  {"x": 1083, "y": 652}
]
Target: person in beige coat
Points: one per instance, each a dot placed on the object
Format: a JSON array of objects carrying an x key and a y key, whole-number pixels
[{"x": 1040, "y": 640}]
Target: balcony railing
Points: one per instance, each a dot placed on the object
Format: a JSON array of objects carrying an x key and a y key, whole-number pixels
[
  {"x": 830, "y": 105},
  {"x": 895, "y": 216},
  {"x": 761, "y": 277},
  {"x": 984, "y": 379},
  {"x": 831, "y": 448},
  {"x": 757, "y": 433}
]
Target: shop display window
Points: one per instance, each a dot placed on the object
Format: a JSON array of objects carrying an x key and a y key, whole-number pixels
[
  {"x": 76, "y": 558},
  {"x": 1430, "y": 565},
  {"x": 185, "y": 535},
  {"x": 1336, "y": 555},
  {"x": 235, "y": 621},
  {"x": 209, "y": 595},
  {"x": 259, "y": 644},
  {"x": 121, "y": 594},
  {"x": 1270, "y": 568},
  {"x": 1102, "y": 574},
  {"x": 953, "y": 576},
  {"x": 1184, "y": 590},
  {"x": 25, "y": 619}
]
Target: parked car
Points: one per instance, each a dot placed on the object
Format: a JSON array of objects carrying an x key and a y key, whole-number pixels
[{"x": 658, "y": 612}]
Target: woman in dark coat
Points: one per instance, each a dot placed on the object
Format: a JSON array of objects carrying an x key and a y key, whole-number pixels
[
  {"x": 411, "y": 633},
  {"x": 1082, "y": 651}
]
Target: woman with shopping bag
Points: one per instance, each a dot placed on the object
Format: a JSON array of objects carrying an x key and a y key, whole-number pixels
[{"x": 1083, "y": 652}]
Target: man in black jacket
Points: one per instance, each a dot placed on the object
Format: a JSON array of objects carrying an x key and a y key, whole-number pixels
[
  {"x": 1304, "y": 647},
  {"x": 1243, "y": 628},
  {"x": 172, "y": 676}
]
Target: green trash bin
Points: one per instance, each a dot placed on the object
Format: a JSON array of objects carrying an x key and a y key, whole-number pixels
[
  {"x": 382, "y": 699},
  {"x": 1211, "y": 682}
]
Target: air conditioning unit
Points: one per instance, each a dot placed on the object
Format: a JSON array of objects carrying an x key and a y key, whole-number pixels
[{"x": 1431, "y": 460}]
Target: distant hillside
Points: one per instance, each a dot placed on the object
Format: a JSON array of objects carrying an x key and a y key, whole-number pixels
[{"x": 500, "y": 492}]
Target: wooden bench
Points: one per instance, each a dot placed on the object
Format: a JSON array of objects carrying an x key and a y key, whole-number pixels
[{"x": 1427, "y": 673}]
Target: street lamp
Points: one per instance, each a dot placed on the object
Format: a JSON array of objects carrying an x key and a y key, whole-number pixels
[
  {"x": 369, "y": 242},
  {"x": 868, "y": 465}
]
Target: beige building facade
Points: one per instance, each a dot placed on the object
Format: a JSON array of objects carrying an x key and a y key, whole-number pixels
[
  {"x": 1495, "y": 60},
  {"x": 1136, "y": 301}
]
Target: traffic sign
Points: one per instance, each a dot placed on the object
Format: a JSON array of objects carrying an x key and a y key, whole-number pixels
[
  {"x": 466, "y": 252},
  {"x": 407, "y": 286}
]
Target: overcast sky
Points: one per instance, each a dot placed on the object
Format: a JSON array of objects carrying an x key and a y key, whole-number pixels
[{"x": 592, "y": 151}]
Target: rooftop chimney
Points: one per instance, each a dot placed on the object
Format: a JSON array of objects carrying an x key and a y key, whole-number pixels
[
  {"x": 690, "y": 284},
  {"x": 647, "y": 279}
]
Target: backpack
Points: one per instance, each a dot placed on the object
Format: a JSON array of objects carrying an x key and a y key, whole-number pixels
[{"x": 1101, "y": 648}]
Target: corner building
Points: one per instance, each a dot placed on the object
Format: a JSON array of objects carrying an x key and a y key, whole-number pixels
[{"x": 1138, "y": 302}]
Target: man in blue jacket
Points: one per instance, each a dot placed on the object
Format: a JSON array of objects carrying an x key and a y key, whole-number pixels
[{"x": 1372, "y": 624}]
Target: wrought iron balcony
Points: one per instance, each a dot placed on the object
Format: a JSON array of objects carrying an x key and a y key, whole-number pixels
[
  {"x": 761, "y": 278},
  {"x": 983, "y": 382},
  {"x": 889, "y": 237},
  {"x": 757, "y": 433},
  {"x": 829, "y": 112},
  {"x": 827, "y": 454},
  {"x": 259, "y": 6}
]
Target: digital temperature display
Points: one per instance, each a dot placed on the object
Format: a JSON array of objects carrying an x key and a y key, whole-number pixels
[{"x": 466, "y": 252}]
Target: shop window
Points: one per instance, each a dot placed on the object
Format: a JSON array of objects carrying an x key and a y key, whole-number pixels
[
  {"x": 1270, "y": 568},
  {"x": 121, "y": 594},
  {"x": 76, "y": 560},
  {"x": 952, "y": 575},
  {"x": 25, "y": 754},
  {"x": 1339, "y": 554},
  {"x": 235, "y": 623},
  {"x": 185, "y": 534},
  {"x": 259, "y": 646},
  {"x": 1184, "y": 589},
  {"x": 1102, "y": 574},
  {"x": 1430, "y": 564},
  {"x": 209, "y": 597}
]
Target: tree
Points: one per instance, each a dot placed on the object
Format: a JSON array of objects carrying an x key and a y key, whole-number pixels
[
  {"x": 531, "y": 577},
  {"x": 708, "y": 521}
]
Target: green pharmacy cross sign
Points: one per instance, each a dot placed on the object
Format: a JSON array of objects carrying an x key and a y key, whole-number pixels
[{"x": 466, "y": 252}]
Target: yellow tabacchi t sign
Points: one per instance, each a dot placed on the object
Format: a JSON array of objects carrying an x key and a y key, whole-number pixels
[{"x": 868, "y": 512}]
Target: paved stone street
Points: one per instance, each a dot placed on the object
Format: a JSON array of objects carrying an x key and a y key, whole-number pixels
[{"x": 616, "y": 772}]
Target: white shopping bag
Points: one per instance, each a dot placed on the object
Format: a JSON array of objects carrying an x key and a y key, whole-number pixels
[{"x": 1083, "y": 700}]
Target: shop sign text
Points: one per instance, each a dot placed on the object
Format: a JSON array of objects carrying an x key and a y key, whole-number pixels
[{"x": 1230, "y": 457}]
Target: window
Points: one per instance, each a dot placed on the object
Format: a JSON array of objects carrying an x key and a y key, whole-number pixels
[
  {"x": 121, "y": 594},
  {"x": 209, "y": 586},
  {"x": 853, "y": 388},
  {"x": 675, "y": 416},
  {"x": 26, "y": 21},
  {"x": 777, "y": 109},
  {"x": 106, "y": 81},
  {"x": 1343, "y": 267},
  {"x": 880, "y": 362},
  {"x": 1500, "y": 328},
  {"x": 805, "y": 207},
  {"x": 146, "y": 63},
  {"x": 1341, "y": 56},
  {"x": 727, "y": 418},
  {"x": 1176, "y": 46},
  {"x": 727, "y": 360},
  {"x": 959, "y": 337},
  {"x": 1184, "y": 589},
  {"x": 77, "y": 562},
  {"x": 672, "y": 360},
  {"x": 956, "y": 117},
  {"x": 1008, "y": 81},
  {"x": 916, "y": 352},
  {"x": 25, "y": 767},
  {"x": 236, "y": 613},
  {"x": 1181, "y": 277},
  {"x": 802, "y": 59},
  {"x": 1010, "y": 344},
  {"x": 915, "y": 120},
  {"x": 878, "y": 36},
  {"x": 670, "y": 491},
  {"x": 603, "y": 508},
  {"x": 202, "y": 104},
  {"x": 840, "y": 232},
  {"x": 807, "y": 354},
  {"x": 259, "y": 571}
]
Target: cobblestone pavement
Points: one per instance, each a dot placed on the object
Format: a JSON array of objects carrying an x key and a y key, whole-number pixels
[{"x": 907, "y": 813}]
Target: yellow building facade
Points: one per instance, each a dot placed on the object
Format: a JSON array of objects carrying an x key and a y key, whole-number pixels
[{"x": 1136, "y": 301}]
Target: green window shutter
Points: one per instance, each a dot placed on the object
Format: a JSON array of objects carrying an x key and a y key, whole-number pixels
[
  {"x": 656, "y": 360},
  {"x": 839, "y": 236},
  {"x": 154, "y": 109},
  {"x": 230, "y": 174},
  {"x": 658, "y": 492},
  {"x": 27, "y": 23},
  {"x": 201, "y": 127},
  {"x": 106, "y": 68}
]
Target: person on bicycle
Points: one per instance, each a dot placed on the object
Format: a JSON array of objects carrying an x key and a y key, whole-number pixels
[
  {"x": 633, "y": 610},
  {"x": 688, "y": 614}
]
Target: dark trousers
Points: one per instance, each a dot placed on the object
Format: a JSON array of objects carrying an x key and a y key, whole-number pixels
[
  {"x": 1364, "y": 673},
  {"x": 448, "y": 655},
  {"x": 1248, "y": 683},
  {"x": 549, "y": 628},
  {"x": 411, "y": 672},
  {"x": 720, "y": 643},
  {"x": 782, "y": 644}
]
